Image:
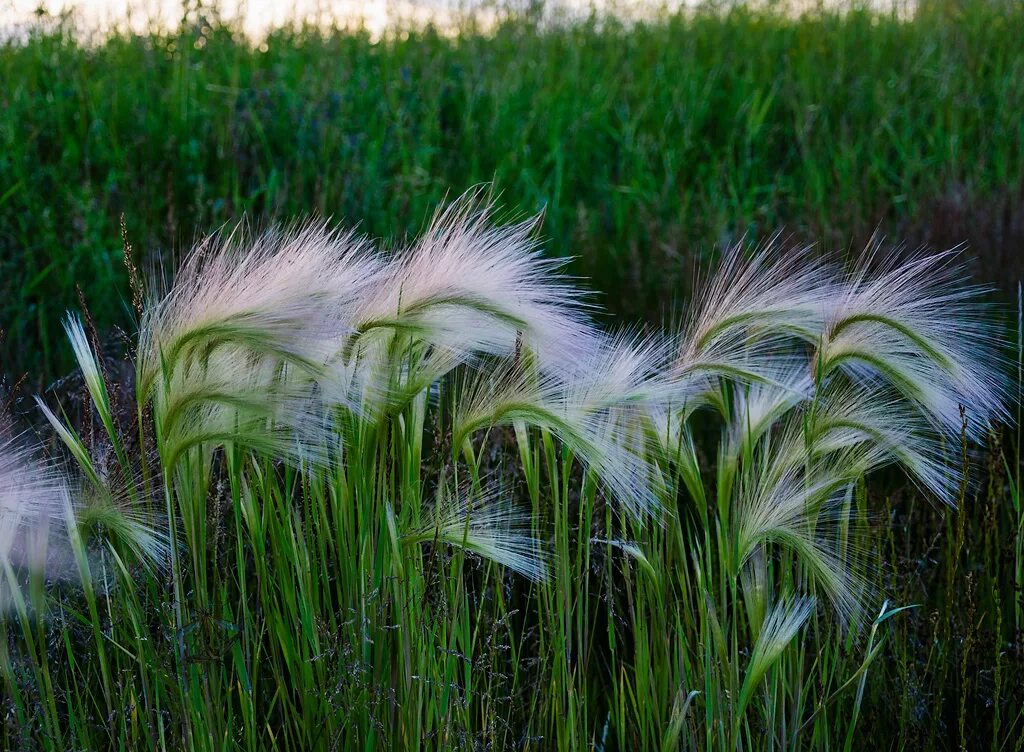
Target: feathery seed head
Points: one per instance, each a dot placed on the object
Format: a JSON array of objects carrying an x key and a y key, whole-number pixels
[
  {"x": 33, "y": 497},
  {"x": 920, "y": 327},
  {"x": 489, "y": 526},
  {"x": 469, "y": 286}
]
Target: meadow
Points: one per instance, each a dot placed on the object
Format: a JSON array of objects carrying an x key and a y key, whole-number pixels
[{"x": 683, "y": 489}]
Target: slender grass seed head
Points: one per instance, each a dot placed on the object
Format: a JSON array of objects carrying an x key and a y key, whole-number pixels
[{"x": 33, "y": 499}]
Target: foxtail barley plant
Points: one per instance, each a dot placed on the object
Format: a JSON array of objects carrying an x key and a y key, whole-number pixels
[{"x": 354, "y": 500}]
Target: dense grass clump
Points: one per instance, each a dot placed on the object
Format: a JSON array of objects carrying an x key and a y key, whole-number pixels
[
  {"x": 648, "y": 146},
  {"x": 343, "y": 499}
]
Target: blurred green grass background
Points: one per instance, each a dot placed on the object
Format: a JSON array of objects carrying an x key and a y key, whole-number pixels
[{"x": 647, "y": 145}]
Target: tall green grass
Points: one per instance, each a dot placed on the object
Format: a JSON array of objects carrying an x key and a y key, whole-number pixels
[
  {"x": 648, "y": 146},
  {"x": 354, "y": 502}
]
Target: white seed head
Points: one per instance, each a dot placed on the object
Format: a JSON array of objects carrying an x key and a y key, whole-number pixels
[
  {"x": 33, "y": 499},
  {"x": 488, "y": 525}
]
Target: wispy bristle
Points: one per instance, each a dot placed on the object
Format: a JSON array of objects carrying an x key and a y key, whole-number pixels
[
  {"x": 470, "y": 286},
  {"x": 764, "y": 299},
  {"x": 605, "y": 434},
  {"x": 920, "y": 326},
  {"x": 805, "y": 515},
  {"x": 780, "y": 627},
  {"x": 33, "y": 497},
  {"x": 284, "y": 296},
  {"x": 853, "y": 416},
  {"x": 114, "y": 516},
  {"x": 488, "y": 525}
]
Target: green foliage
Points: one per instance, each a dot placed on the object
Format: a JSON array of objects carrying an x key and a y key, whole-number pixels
[{"x": 647, "y": 146}]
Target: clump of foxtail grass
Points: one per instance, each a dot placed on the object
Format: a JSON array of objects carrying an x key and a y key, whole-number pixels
[{"x": 347, "y": 414}]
